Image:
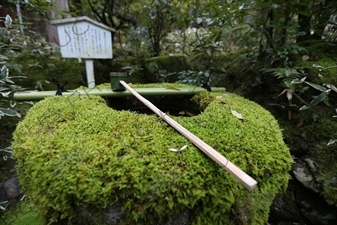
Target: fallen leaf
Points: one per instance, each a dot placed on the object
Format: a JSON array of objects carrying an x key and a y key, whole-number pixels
[
  {"x": 300, "y": 123},
  {"x": 178, "y": 150},
  {"x": 185, "y": 113},
  {"x": 221, "y": 100},
  {"x": 237, "y": 115},
  {"x": 305, "y": 57}
]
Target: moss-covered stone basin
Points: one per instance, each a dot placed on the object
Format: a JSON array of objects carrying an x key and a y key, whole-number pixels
[{"x": 76, "y": 152}]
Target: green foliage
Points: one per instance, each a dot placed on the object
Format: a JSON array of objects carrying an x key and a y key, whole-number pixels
[
  {"x": 33, "y": 61},
  {"x": 317, "y": 130},
  {"x": 326, "y": 154},
  {"x": 7, "y": 88},
  {"x": 164, "y": 68},
  {"x": 159, "y": 18},
  {"x": 8, "y": 85},
  {"x": 76, "y": 152},
  {"x": 23, "y": 214},
  {"x": 193, "y": 77},
  {"x": 321, "y": 64},
  {"x": 40, "y": 67}
]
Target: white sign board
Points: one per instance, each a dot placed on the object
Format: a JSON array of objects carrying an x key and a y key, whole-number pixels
[{"x": 82, "y": 37}]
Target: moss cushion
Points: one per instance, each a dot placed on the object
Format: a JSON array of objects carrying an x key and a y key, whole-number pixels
[{"x": 77, "y": 152}]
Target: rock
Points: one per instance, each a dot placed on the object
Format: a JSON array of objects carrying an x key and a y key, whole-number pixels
[
  {"x": 305, "y": 171},
  {"x": 10, "y": 189},
  {"x": 3, "y": 196},
  {"x": 182, "y": 218},
  {"x": 114, "y": 214},
  {"x": 299, "y": 147},
  {"x": 314, "y": 208},
  {"x": 301, "y": 206},
  {"x": 105, "y": 157},
  {"x": 284, "y": 207}
]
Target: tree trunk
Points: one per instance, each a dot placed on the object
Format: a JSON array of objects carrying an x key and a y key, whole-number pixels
[
  {"x": 304, "y": 28},
  {"x": 60, "y": 8},
  {"x": 324, "y": 13}
]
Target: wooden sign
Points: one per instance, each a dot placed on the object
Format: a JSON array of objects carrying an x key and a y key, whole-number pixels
[{"x": 82, "y": 37}]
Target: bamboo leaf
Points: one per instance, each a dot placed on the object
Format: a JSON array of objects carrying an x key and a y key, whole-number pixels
[
  {"x": 319, "y": 98},
  {"x": 301, "y": 99},
  {"x": 332, "y": 87},
  {"x": 316, "y": 86},
  {"x": 332, "y": 141},
  {"x": 305, "y": 107},
  {"x": 316, "y": 100},
  {"x": 284, "y": 91}
]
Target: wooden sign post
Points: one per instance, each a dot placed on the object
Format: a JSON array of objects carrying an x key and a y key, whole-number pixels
[{"x": 84, "y": 38}]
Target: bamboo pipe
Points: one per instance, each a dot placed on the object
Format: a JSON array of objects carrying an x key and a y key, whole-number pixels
[
  {"x": 39, "y": 95},
  {"x": 244, "y": 178}
]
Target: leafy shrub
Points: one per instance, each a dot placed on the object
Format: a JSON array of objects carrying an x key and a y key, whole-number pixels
[
  {"x": 30, "y": 56},
  {"x": 76, "y": 152},
  {"x": 164, "y": 68}
]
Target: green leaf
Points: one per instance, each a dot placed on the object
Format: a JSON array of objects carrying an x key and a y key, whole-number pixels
[
  {"x": 316, "y": 100},
  {"x": 8, "y": 20},
  {"x": 2, "y": 31},
  {"x": 316, "y": 86},
  {"x": 4, "y": 89},
  {"x": 332, "y": 141},
  {"x": 9, "y": 112},
  {"x": 4, "y": 72},
  {"x": 301, "y": 99},
  {"x": 332, "y": 87}
]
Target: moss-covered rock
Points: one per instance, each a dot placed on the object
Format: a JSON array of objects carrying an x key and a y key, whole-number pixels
[
  {"x": 321, "y": 63},
  {"x": 315, "y": 127},
  {"x": 323, "y": 131},
  {"x": 164, "y": 68},
  {"x": 77, "y": 152}
]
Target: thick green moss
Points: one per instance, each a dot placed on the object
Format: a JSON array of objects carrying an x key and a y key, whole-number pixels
[
  {"x": 322, "y": 62},
  {"x": 25, "y": 214},
  {"x": 75, "y": 151}
]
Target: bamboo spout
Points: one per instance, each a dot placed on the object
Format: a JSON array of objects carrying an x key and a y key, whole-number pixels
[{"x": 39, "y": 95}]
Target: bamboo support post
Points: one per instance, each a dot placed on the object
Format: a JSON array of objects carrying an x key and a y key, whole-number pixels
[{"x": 244, "y": 178}]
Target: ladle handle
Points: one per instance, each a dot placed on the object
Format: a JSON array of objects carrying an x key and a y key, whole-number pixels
[{"x": 240, "y": 175}]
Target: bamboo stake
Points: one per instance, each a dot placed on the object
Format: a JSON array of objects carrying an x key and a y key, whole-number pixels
[{"x": 244, "y": 178}]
